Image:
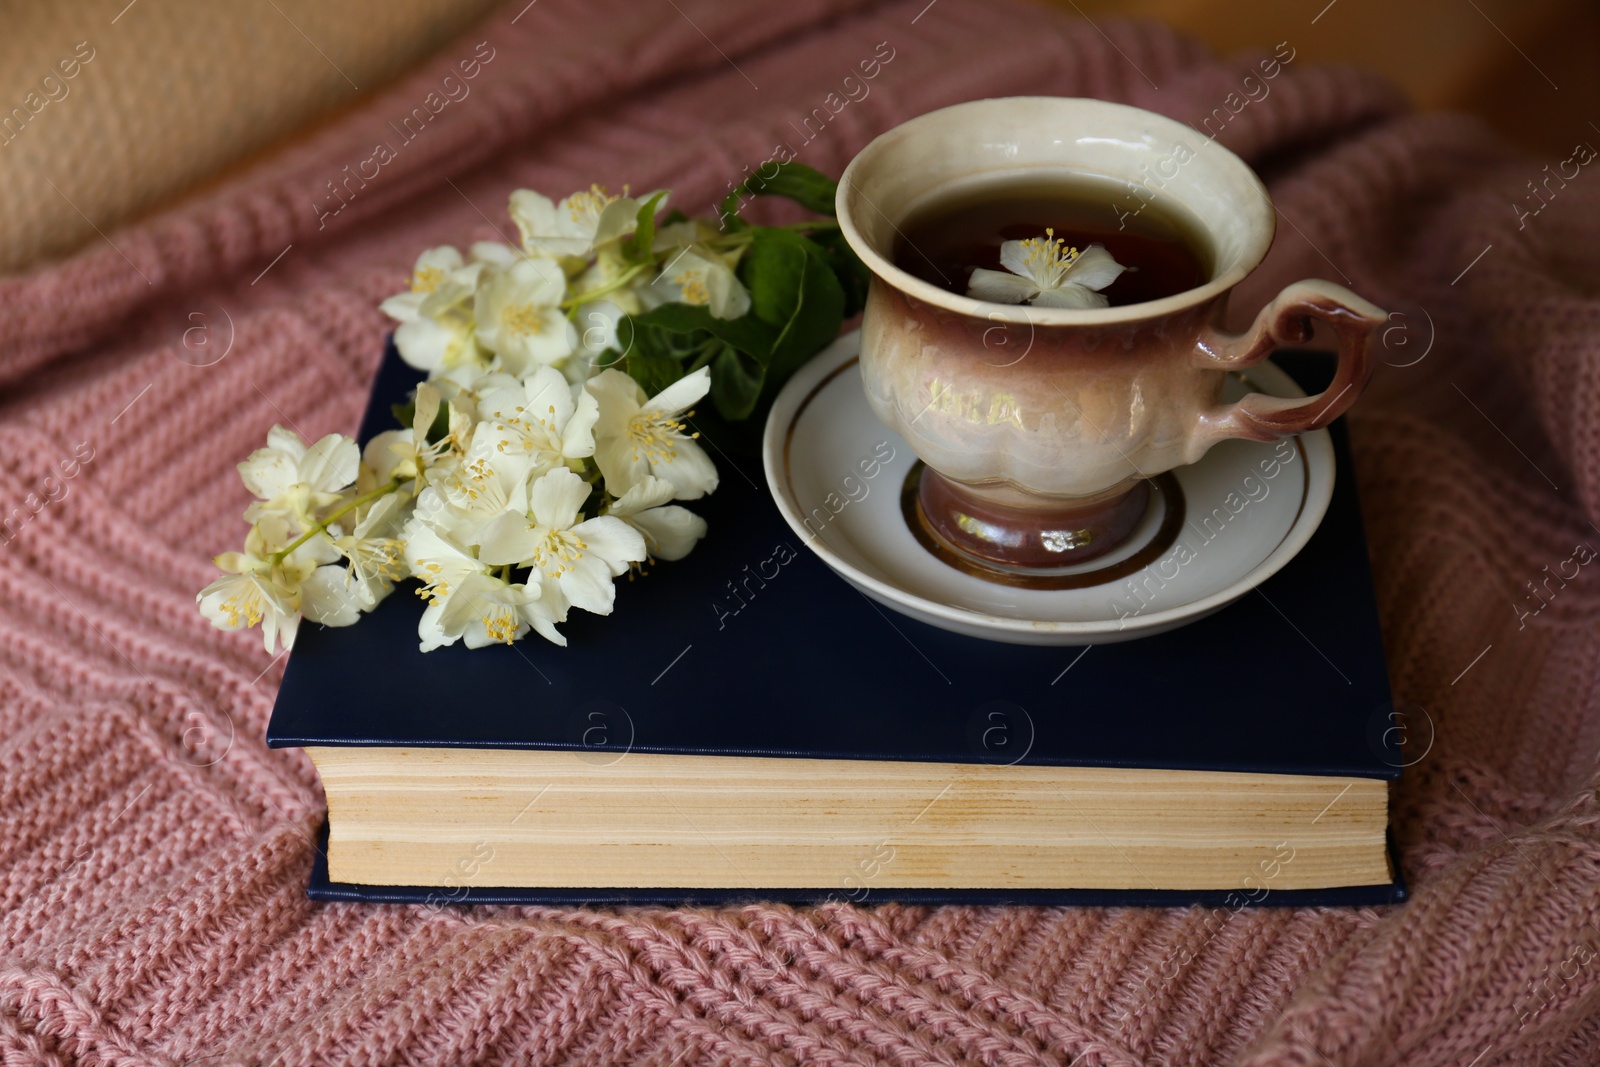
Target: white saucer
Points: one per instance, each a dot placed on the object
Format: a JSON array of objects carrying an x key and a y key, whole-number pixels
[{"x": 838, "y": 474}]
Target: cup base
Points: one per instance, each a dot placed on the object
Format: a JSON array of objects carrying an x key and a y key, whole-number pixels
[{"x": 1027, "y": 540}]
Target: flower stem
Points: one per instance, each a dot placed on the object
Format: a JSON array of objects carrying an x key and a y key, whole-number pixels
[
  {"x": 579, "y": 299},
  {"x": 322, "y": 526}
]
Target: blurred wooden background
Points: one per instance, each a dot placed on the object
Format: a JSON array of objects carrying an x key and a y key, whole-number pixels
[{"x": 1531, "y": 68}]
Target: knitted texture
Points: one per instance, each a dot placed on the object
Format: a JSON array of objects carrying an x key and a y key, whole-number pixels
[{"x": 155, "y": 853}]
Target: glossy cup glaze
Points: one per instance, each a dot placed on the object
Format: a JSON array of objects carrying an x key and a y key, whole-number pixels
[{"x": 1038, "y": 424}]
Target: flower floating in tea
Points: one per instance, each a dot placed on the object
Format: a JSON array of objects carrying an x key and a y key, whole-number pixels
[{"x": 1047, "y": 272}]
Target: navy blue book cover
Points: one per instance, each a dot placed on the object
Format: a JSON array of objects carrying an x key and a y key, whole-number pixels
[{"x": 752, "y": 646}]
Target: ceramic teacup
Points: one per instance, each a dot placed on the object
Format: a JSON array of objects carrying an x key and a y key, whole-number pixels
[{"x": 1039, "y": 426}]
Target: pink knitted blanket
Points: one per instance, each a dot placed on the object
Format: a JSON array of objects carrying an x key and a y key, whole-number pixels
[{"x": 155, "y": 853}]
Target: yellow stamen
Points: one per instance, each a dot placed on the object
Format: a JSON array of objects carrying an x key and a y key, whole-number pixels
[
  {"x": 692, "y": 284},
  {"x": 522, "y": 319},
  {"x": 654, "y": 436},
  {"x": 501, "y": 625},
  {"x": 592, "y": 201},
  {"x": 1049, "y": 257}
]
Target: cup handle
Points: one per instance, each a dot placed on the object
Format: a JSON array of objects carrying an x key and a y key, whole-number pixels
[{"x": 1287, "y": 320}]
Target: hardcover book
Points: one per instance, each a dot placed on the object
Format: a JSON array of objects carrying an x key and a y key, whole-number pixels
[{"x": 747, "y": 725}]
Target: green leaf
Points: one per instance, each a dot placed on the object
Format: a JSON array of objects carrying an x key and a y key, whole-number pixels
[
  {"x": 441, "y": 425},
  {"x": 647, "y": 354},
  {"x": 746, "y": 333},
  {"x": 800, "y": 290},
  {"x": 653, "y": 370},
  {"x": 806, "y": 186},
  {"x": 853, "y": 274},
  {"x": 635, "y": 334},
  {"x": 793, "y": 288},
  {"x": 728, "y": 211},
  {"x": 644, "y": 233},
  {"x": 736, "y": 382},
  {"x": 405, "y": 414}
]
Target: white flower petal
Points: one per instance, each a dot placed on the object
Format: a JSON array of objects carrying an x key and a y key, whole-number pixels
[
  {"x": 429, "y": 344},
  {"x": 463, "y": 606},
  {"x": 236, "y": 601},
  {"x": 544, "y": 280},
  {"x": 517, "y": 315},
  {"x": 426, "y": 545},
  {"x": 477, "y": 633},
  {"x": 612, "y": 541},
  {"x": 998, "y": 287},
  {"x": 597, "y": 323},
  {"x": 1014, "y": 258},
  {"x": 403, "y": 307},
  {"x": 242, "y": 589},
  {"x": 317, "y": 550},
  {"x": 269, "y": 535},
  {"x": 387, "y": 451},
  {"x": 503, "y": 402},
  {"x": 499, "y": 608},
  {"x": 555, "y": 340},
  {"x": 551, "y": 603},
  {"x": 461, "y": 611},
  {"x": 621, "y": 463},
  {"x": 532, "y": 208},
  {"x": 280, "y": 629},
  {"x": 427, "y": 409},
  {"x": 670, "y": 532},
  {"x": 268, "y": 473},
  {"x": 577, "y": 439},
  {"x": 381, "y": 518},
  {"x": 1070, "y": 295},
  {"x": 555, "y": 498},
  {"x": 444, "y": 259},
  {"x": 701, "y": 280},
  {"x": 540, "y": 226},
  {"x": 328, "y": 597},
  {"x": 546, "y": 629},
  {"x": 454, "y": 291},
  {"x": 619, "y": 397},
  {"x": 331, "y": 464},
  {"x": 648, "y": 492},
  {"x": 548, "y": 396},
  {"x": 286, "y": 441},
  {"x": 430, "y": 629},
  {"x": 1095, "y": 268},
  {"x": 678, "y": 235},
  {"x": 681, "y": 394},
  {"x": 729, "y": 298},
  {"x": 587, "y": 584},
  {"x": 495, "y": 253},
  {"x": 617, "y": 218},
  {"x": 690, "y": 471},
  {"x": 507, "y": 538}
]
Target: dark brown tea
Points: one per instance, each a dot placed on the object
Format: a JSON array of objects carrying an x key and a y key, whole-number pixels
[{"x": 1163, "y": 247}]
